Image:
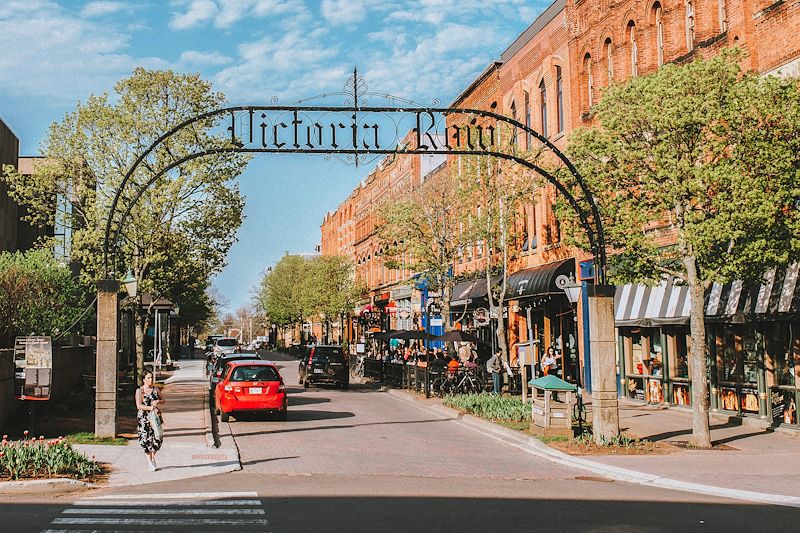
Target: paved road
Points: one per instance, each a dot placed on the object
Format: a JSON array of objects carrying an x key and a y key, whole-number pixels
[{"x": 364, "y": 460}]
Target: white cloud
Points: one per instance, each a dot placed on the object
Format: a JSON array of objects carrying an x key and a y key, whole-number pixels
[
  {"x": 199, "y": 11},
  {"x": 198, "y": 58},
  {"x": 77, "y": 57},
  {"x": 273, "y": 64},
  {"x": 340, "y": 12},
  {"x": 102, "y": 8},
  {"x": 225, "y": 13}
]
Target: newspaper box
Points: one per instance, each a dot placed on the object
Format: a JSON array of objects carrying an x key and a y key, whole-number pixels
[{"x": 553, "y": 400}]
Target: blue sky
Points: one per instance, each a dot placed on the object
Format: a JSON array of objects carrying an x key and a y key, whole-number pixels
[{"x": 57, "y": 53}]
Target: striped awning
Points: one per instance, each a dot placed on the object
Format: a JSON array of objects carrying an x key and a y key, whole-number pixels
[
  {"x": 778, "y": 294},
  {"x": 664, "y": 304}
]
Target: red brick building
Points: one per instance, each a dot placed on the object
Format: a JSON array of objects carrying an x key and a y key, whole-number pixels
[{"x": 549, "y": 78}]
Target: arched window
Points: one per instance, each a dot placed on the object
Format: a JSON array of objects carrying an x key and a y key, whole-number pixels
[
  {"x": 514, "y": 116},
  {"x": 689, "y": 25},
  {"x": 559, "y": 100},
  {"x": 527, "y": 98},
  {"x": 634, "y": 48},
  {"x": 543, "y": 106},
  {"x": 587, "y": 67},
  {"x": 659, "y": 22},
  {"x": 723, "y": 16},
  {"x": 609, "y": 48}
]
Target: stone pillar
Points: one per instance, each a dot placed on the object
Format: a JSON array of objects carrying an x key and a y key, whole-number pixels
[
  {"x": 605, "y": 406},
  {"x": 105, "y": 411}
]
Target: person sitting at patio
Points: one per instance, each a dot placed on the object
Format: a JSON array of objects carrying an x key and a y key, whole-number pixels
[
  {"x": 453, "y": 365},
  {"x": 438, "y": 362},
  {"x": 471, "y": 364}
]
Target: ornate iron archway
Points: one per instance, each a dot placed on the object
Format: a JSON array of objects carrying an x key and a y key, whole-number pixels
[{"x": 356, "y": 133}]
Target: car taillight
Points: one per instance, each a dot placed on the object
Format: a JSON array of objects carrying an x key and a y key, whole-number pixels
[{"x": 228, "y": 388}]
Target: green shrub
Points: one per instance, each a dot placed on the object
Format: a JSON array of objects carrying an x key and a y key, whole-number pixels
[
  {"x": 490, "y": 406},
  {"x": 38, "y": 458}
]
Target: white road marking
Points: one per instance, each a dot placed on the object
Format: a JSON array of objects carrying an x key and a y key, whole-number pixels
[
  {"x": 148, "y": 511},
  {"x": 161, "y": 521},
  {"x": 197, "y": 511},
  {"x": 163, "y": 502},
  {"x": 177, "y": 496}
]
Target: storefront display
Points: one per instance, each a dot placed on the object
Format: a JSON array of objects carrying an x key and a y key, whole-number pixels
[{"x": 681, "y": 394}]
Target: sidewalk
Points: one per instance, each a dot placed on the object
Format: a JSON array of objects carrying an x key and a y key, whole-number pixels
[
  {"x": 749, "y": 458},
  {"x": 752, "y": 464},
  {"x": 187, "y": 450}
]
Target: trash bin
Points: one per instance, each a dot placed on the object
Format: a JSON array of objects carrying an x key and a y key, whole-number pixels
[{"x": 553, "y": 400}]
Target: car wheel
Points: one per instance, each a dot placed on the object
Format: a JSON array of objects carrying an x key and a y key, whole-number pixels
[
  {"x": 225, "y": 417},
  {"x": 216, "y": 411},
  {"x": 301, "y": 380},
  {"x": 345, "y": 385},
  {"x": 282, "y": 415},
  {"x": 305, "y": 383}
]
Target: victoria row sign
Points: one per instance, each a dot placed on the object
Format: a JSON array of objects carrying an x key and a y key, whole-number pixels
[{"x": 366, "y": 129}]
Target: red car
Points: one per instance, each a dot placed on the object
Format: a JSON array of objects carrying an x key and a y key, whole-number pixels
[{"x": 250, "y": 386}]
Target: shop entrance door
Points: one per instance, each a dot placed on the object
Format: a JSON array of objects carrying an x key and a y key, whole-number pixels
[{"x": 739, "y": 352}]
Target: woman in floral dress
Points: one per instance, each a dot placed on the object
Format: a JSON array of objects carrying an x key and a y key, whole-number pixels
[{"x": 148, "y": 398}]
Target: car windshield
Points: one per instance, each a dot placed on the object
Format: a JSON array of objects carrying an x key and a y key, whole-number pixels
[
  {"x": 227, "y": 342},
  {"x": 324, "y": 354},
  {"x": 255, "y": 373},
  {"x": 222, "y": 361}
]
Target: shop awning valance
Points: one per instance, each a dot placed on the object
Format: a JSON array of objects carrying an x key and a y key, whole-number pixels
[
  {"x": 471, "y": 294},
  {"x": 538, "y": 281},
  {"x": 664, "y": 304},
  {"x": 778, "y": 294}
]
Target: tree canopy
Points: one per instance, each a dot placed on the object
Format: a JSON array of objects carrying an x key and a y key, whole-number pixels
[
  {"x": 38, "y": 295},
  {"x": 695, "y": 170}
]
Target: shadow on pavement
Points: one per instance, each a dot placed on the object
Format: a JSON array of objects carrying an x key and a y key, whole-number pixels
[
  {"x": 464, "y": 515},
  {"x": 307, "y": 400},
  {"x": 283, "y": 429}
]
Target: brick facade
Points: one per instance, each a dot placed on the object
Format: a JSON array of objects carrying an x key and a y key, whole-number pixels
[{"x": 567, "y": 55}]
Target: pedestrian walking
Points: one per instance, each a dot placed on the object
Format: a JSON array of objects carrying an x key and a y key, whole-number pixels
[
  {"x": 495, "y": 367},
  {"x": 148, "y": 400},
  {"x": 550, "y": 362}
]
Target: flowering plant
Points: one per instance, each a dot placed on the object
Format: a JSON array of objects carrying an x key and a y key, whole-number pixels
[{"x": 30, "y": 457}]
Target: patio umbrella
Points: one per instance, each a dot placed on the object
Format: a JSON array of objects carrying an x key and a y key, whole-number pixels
[
  {"x": 460, "y": 336},
  {"x": 384, "y": 335},
  {"x": 411, "y": 335}
]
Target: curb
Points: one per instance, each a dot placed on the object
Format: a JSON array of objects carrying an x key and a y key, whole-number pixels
[
  {"x": 536, "y": 447},
  {"x": 207, "y": 421},
  {"x": 44, "y": 486}
]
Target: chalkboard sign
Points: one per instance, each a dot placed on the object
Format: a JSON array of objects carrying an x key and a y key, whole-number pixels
[
  {"x": 782, "y": 406},
  {"x": 33, "y": 372}
]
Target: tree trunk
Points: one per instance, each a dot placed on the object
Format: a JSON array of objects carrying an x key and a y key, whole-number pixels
[
  {"x": 142, "y": 323},
  {"x": 697, "y": 355}
]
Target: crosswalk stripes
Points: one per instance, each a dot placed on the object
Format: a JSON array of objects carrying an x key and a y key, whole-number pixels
[{"x": 192, "y": 511}]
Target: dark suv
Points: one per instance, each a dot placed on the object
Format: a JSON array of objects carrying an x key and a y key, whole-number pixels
[{"x": 325, "y": 364}]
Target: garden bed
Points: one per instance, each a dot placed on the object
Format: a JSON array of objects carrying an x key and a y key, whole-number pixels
[
  {"x": 39, "y": 458},
  {"x": 511, "y": 412}
]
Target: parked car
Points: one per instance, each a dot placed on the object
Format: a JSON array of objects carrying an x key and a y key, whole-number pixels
[
  {"x": 221, "y": 361},
  {"x": 325, "y": 364},
  {"x": 249, "y": 386}
]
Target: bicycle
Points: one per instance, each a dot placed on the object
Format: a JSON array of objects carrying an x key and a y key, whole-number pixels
[
  {"x": 470, "y": 383},
  {"x": 357, "y": 370}
]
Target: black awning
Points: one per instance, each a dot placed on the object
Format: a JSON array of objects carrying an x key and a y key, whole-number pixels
[
  {"x": 539, "y": 281},
  {"x": 472, "y": 293}
]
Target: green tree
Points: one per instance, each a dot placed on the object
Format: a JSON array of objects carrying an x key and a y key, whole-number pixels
[
  {"x": 420, "y": 231},
  {"x": 38, "y": 295},
  {"x": 706, "y": 152},
  {"x": 183, "y": 226},
  {"x": 330, "y": 288},
  {"x": 282, "y": 294},
  {"x": 497, "y": 191}
]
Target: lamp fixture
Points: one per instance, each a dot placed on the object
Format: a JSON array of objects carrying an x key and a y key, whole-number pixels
[{"x": 130, "y": 283}]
